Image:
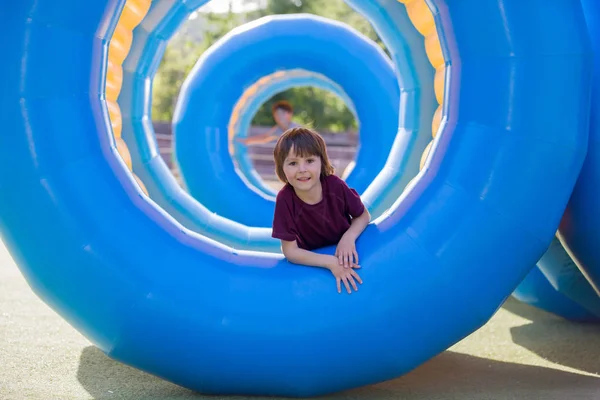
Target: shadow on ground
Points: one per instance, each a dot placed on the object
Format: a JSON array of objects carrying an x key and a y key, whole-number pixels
[
  {"x": 449, "y": 376},
  {"x": 571, "y": 344}
]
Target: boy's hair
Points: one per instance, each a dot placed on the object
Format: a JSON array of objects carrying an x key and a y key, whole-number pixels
[
  {"x": 305, "y": 142},
  {"x": 283, "y": 105}
]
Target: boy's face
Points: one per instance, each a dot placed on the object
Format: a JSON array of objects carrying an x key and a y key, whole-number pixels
[
  {"x": 282, "y": 117},
  {"x": 303, "y": 173}
]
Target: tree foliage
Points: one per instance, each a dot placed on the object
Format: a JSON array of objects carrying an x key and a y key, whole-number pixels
[{"x": 313, "y": 106}]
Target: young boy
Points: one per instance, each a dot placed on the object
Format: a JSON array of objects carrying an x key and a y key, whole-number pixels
[
  {"x": 282, "y": 114},
  {"x": 315, "y": 208}
]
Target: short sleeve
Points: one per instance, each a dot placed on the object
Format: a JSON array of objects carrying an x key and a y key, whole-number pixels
[
  {"x": 284, "y": 227},
  {"x": 354, "y": 205}
]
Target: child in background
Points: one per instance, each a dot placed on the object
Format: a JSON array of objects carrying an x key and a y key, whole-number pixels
[
  {"x": 282, "y": 115},
  {"x": 315, "y": 208}
]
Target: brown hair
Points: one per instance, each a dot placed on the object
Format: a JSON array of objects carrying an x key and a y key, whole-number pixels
[
  {"x": 305, "y": 142},
  {"x": 284, "y": 105}
]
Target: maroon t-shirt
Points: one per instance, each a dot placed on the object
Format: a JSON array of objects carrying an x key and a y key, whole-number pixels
[{"x": 316, "y": 225}]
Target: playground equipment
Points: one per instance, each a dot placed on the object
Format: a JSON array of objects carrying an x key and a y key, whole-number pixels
[{"x": 437, "y": 264}]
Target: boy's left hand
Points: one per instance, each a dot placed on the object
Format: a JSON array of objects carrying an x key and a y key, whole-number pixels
[{"x": 346, "y": 252}]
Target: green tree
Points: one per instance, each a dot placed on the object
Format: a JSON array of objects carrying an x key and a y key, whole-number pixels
[{"x": 174, "y": 67}]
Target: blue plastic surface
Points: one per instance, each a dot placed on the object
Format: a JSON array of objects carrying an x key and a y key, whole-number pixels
[
  {"x": 563, "y": 276},
  {"x": 581, "y": 222},
  {"x": 535, "y": 290},
  {"x": 580, "y": 228},
  {"x": 163, "y": 299},
  {"x": 261, "y": 48},
  {"x": 416, "y": 111},
  {"x": 417, "y": 104},
  {"x": 147, "y": 49}
]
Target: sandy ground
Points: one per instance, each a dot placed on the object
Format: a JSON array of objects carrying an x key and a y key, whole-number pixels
[{"x": 522, "y": 353}]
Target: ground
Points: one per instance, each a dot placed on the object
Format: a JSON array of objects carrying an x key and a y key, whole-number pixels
[{"x": 521, "y": 353}]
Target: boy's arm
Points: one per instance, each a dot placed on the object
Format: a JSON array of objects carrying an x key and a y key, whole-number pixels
[
  {"x": 262, "y": 138},
  {"x": 345, "y": 251},
  {"x": 296, "y": 255},
  {"x": 358, "y": 225}
]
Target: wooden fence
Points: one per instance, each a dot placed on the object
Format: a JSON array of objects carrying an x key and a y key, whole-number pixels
[{"x": 341, "y": 148}]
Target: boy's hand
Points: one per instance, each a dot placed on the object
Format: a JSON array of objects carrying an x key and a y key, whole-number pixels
[
  {"x": 346, "y": 252},
  {"x": 346, "y": 275}
]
